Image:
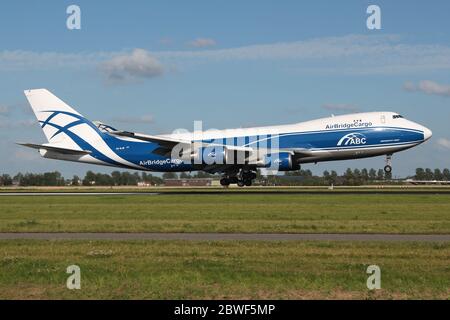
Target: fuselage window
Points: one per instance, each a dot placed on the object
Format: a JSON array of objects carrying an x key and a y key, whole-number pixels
[{"x": 396, "y": 116}]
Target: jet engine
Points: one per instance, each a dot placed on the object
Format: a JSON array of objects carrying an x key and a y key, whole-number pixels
[{"x": 283, "y": 161}]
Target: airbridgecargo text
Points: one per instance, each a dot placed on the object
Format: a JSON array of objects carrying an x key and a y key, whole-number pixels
[
  {"x": 354, "y": 124},
  {"x": 160, "y": 162}
]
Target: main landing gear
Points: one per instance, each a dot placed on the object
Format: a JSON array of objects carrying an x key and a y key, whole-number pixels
[
  {"x": 242, "y": 178},
  {"x": 388, "y": 166}
]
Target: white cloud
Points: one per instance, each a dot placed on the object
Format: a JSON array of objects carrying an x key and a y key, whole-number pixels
[
  {"x": 351, "y": 54},
  {"x": 137, "y": 65},
  {"x": 428, "y": 87},
  {"x": 308, "y": 49},
  {"x": 139, "y": 119},
  {"x": 443, "y": 143},
  {"x": 355, "y": 54},
  {"x": 202, "y": 43},
  {"x": 341, "y": 107},
  {"x": 26, "y": 60}
]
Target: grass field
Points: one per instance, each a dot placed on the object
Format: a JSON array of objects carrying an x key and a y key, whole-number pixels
[
  {"x": 232, "y": 270},
  {"x": 229, "y": 212},
  {"x": 235, "y": 189},
  {"x": 35, "y": 269}
]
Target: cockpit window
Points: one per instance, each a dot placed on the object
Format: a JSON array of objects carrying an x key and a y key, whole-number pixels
[{"x": 396, "y": 116}]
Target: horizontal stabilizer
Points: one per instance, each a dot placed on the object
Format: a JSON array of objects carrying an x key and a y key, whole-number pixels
[{"x": 56, "y": 149}]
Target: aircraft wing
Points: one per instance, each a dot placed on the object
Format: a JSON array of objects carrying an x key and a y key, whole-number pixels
[
  {"x": 166, "y": 142},
  {"x": 303, "y": 153}
]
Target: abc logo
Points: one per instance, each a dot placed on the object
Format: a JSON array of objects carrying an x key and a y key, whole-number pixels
[{"x": 352, "y": 139}]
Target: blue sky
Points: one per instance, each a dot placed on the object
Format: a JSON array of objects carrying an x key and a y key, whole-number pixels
[{"x": 155, "y": 66}]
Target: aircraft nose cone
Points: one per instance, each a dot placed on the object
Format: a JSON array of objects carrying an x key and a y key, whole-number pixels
[{"x": 427, "y": 133}]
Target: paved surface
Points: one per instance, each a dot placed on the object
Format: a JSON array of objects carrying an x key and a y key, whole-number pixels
[
  {"x": 229, "y": 192},
  {"x": 227, "y": 236},
  {"x": 25, "y": 194}
]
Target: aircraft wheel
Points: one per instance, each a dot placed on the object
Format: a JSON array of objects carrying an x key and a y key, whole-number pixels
[
  {"x": 248, "y": 182},
  {"x": 240, "y": 183},
  {"x": 388, "y": 169},
  {"x": 233, "y": 180},
  {"x": 225, "y": 182}
]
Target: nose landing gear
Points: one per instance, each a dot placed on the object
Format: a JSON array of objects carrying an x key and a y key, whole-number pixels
[{"x": 388, "y": 166}]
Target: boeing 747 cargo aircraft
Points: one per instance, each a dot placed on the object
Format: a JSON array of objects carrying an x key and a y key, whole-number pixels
[{"x": 235, "y": 153}]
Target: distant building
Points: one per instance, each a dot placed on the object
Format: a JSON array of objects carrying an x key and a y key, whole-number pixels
[
  {"x": 193, "y": 182},
  {"x": 422, "y": 182},
  {"x": 144, "y": 184}
]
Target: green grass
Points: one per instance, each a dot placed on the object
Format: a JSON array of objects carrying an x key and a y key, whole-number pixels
[
  {"x": 235, "y": 270},
  {"x": 233, "y": 189},
  {"x": 225, "y": 269},
  {"x": 228, "y": 212}
]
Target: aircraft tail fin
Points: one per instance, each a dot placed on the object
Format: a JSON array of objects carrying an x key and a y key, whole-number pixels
[
  {"x": 62, "y": 125},
  {"x": 71, "y": 136}
]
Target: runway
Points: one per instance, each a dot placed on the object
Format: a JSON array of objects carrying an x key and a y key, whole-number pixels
[
  {"x": 227, "y": 236},
  {"x": 25, "y": 194},
  {"x": 233, "y": 192}
]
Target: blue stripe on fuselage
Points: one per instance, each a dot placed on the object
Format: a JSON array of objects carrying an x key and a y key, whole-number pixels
[
  {"x": 325, "y": 139},
  {"x": 372, "y": 137},
  {"x": 137, "y": 151}
]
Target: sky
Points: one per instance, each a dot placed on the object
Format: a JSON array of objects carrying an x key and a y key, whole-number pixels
[{"x": 158, "y": 66}]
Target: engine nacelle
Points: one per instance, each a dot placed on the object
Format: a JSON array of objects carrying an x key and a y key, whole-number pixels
[
  {"x": 282, "y": 161},
  {"x": 209, "y": 155},
  {"x": 220, "y": 155}
]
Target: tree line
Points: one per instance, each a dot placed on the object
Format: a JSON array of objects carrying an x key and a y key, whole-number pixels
[
  {"x": 301, "y": 177},
  {"x": 436, "y": 174},
  {"x": 353, "y": 177},
  {"x": 116, "y": 178}
]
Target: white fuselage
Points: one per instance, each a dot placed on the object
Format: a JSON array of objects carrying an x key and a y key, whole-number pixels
[{"x": 383, "y": 125}]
